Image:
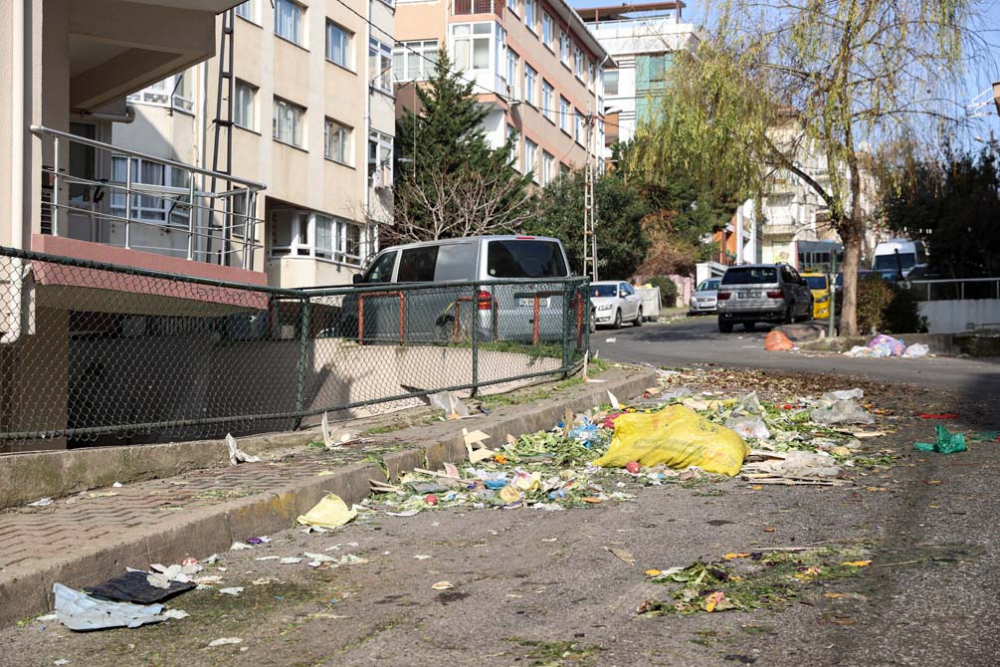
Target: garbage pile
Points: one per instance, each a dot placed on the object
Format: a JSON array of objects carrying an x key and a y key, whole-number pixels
[{"x": 881, "y": 345}]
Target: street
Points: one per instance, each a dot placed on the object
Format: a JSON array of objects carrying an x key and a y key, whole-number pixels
[
  {"x": 557, "y": 588},
  {"x": 697, "y": 341}
]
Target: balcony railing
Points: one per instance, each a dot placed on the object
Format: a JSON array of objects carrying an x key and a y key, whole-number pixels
[
  {"x": 136, "y": 201},
  {"x": 465, "y": 7}
]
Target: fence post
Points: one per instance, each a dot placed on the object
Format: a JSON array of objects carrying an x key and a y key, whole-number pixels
[
  {"x": 568, "y": 295},
  {"x": 300, "y": 385},
  {"x": 474, "y": 311}
]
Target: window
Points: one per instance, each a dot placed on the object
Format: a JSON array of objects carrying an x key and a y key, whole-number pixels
[
  {"x": 305, "y": 233},
  {"x": 525, "y": 259},
  {"x": 380, "y": 66},
  {"x": 512, "y": 5},
  {"x": 381, "y": 270},
  {"x": 530, "y": 157},
  {"x": 590, "y": 71},
  {"x": 548, "y": 100},
  {"x": 578, "y": 126},
  {"x": 245, "y": 106},
  {"x": 611, "y": 82},
  {"x": 338, "y": 45},
  {"x": 513, "y": 85},
  {"x": 471, "y": 45},
  {"x": 415, "y": 61},
  {"x": 379, "y": 159},
  {"x": 564, "y": 114},
  {"x": 564, "y": 43},
  {"x": 578, "y": 61},
  {"x": 337, "y": 142},
  {"x": 417, "y": 265},
  {"x": 530, "y": 15},
  {"x": 530, "y": 81},
  {"x": 456, "y": 261},
  {"x": 249, "y": 10},
  {"x": 288, "y": 21},
  {"x": 548, "y": 166},
  {"x": 288, "y": 122},
  {"x": 547, "y": 29},
  {"x": 162, "y": 205},
  {"x": 174, "y": 91}
]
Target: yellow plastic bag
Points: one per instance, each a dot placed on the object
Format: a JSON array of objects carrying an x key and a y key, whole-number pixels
[
  {"x": 678, "y": 437},
  {"x": 331, "y": 512}
]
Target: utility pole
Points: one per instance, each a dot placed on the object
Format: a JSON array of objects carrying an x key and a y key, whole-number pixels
[{"x": 589, "y": 210}]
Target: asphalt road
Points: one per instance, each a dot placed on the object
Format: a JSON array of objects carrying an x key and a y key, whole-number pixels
[{"x": 697, "y": 341}]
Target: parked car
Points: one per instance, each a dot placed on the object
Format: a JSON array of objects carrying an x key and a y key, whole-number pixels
[
  {"x": 819, "y": 284},
  {"x": 615, "y": 302},
  {"x": 704, "y": 298},
  {"x": 773, "y": 293},
  {"x": 438, "y": 312},
  {"x": 895, "y": 259}
]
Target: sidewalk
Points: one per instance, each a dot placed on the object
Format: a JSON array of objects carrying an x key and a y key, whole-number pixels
[{"x": 89, "y": 537}]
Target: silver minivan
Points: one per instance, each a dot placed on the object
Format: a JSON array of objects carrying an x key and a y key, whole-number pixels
[{"x": 501, "y": 311}]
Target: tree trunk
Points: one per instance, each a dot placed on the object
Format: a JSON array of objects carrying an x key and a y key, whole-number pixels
[{"x": 852, "y": 256}]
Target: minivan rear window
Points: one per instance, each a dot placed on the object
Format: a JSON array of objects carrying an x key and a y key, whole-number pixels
[
  {"x": 522, "y": 258},
  {"x": 757, "y": 275}
]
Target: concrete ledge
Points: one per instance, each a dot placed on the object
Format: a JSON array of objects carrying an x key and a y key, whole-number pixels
[{"x": 25, "y": 589}]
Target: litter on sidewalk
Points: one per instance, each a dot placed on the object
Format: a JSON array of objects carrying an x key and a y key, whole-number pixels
[
  {"x": 330, "y": 512},
  {"x": 135, "y": 587},
  {"x": 946, "y": 443},
  {"x": 236, "y": 455},
  {"x": 81, "y": 612}
]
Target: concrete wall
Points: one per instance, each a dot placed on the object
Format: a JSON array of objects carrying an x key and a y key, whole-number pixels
[{"x": 958, "y": 316}]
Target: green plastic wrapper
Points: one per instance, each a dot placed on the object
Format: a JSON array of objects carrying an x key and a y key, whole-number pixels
[{"x": 947, "y": 443}]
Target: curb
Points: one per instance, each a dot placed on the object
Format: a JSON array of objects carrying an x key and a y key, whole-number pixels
[{"x": 213, "y": 529}]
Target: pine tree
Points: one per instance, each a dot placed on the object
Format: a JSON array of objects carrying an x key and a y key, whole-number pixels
[{"x": 450, "y": 182}]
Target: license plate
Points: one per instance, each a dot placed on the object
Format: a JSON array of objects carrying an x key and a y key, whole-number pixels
[
  {"x": 750, "y": 295},
  {"x": 529, "y": 302}
]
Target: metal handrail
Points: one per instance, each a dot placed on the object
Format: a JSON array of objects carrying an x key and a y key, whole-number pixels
[{"x": 42, "y": 130}]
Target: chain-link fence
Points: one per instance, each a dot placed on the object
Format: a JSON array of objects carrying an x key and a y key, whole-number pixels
[{"x": 99, "y": 354}]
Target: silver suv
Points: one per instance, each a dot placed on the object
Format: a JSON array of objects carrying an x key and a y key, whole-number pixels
[{"x": 773, "y": 293}]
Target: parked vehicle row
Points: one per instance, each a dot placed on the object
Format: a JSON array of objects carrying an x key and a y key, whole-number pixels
[{"x": 771, "y": 293}]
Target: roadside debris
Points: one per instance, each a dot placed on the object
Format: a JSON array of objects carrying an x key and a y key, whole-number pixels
[
  {"x": 81, "y": 612},
  {"x": 451, "y": 405},
  {"x": 793, "y": 468},
  {"x": 225, "y": 641},
  {"x": 330, "y": 512},
  {"x": 946, "y": 443},
  {"x": 881, "y": 346},
  {"x": 832, "y": 409},
  {"x": 44, "y": 502},
  {"x": 138, "y": 587},
  {"x": 236, "y": 455},
  {"x": 776, "y": 341}
]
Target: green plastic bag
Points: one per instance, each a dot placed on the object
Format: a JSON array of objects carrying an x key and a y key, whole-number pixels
[{"x": 947, "y": 443}]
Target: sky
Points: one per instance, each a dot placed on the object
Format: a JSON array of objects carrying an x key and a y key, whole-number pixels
[{"x": 978, "y": 78}]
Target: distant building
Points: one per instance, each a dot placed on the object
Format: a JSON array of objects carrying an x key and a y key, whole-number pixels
[
  {"x": 533, "y": 62},
  {"x": 642, "y": 38}
]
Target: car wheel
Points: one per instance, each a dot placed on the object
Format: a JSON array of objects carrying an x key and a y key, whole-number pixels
[
  {"x": 749, "y": 326},
  {"x": 593, "y": 321},
  {"x": 638, "y": 319},
  {"x": 725, "y": 327},
  {"x": 618, "y": 320}
]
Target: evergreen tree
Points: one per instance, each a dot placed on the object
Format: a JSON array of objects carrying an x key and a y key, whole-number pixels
[{"x": 450, "y": 182}]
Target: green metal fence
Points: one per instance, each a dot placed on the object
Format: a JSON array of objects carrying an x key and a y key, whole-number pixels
[{"x": 94, "y": 353}]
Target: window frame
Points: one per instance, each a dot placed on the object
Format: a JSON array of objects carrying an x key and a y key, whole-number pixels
[
  {"x": 530, "y": 158},
  {"x": 564, "y": 112},
  {"x": 565, "y": 47},
  {"x": 382, "y": 52},
  {"x": 254, "y": 13},
  {"x": 547, "y": 34},
  {"x": 405, "y": 51},
  {"x": 254, "y": 115},
  {"x": 578, "y": 58},
  {"x": 381, "y": 141},
  {"x": 304, "y": 238},
  {"x": 548, "y": 162},
  {"x": 548, "y": 101},
  {"x": 347, "y": 142},
  {"x": 173, "y": 216},
  {"x": 530, "y": 21},
  {"x": 349, "y": 51},
  {"x": 279, "y": 102},
  {"x": 454, "y": 38},
  {"x": 530, "y": 83},
  {"x": 299, "y": 37}
]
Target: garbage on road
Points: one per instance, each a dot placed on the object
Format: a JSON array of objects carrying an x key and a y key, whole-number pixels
[
  {"x": 81, "y": 612},
  {"x": 946, "y": 443},
  {"x": 237, "y": 455},
  {"x": 882, "y": 346},
  {"x": 777, "y": 341},
  {"x": 793, "y": 468},
  {"x": 678, "y": 437},
  {"x": 330, "y": 512},
  {"x": 832, "y": 409},
  {"x": 137, "y": 587}
]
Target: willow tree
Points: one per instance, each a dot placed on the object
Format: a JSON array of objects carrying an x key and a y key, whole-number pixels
[{"x": 832, "y": 78}]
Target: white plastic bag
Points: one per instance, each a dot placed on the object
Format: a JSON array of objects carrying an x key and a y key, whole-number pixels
[
  {"x": 749, "y": 427},
  {"x": 916, "y": 350}
]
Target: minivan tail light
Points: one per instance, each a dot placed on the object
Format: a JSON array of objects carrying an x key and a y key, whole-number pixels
[
  {"x": 775, "y": 294},
  {"x": 485, "y": 300},
  {"x": 722, "y": 296},
  {"x": 525, "y": 238}
]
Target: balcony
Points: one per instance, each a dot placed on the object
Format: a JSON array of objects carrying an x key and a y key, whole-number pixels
[
  {"x": 469, "y": 7},
  {"x": 108, "y": 203}
]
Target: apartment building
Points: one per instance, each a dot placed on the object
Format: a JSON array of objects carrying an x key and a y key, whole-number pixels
[
  {"x": 312, "y": 115},
  {"x": 533, "y": 62},
  {"x": 642, "y": 38}
]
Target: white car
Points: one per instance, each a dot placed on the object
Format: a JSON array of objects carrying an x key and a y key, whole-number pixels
[{"x": 615, "y": 302}]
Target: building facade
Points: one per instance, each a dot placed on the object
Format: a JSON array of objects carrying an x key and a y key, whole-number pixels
[
  {"x": 642, "y": 38},
  {"x": 313, "y": 115},
  {"x": 533, "y": 62}
]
